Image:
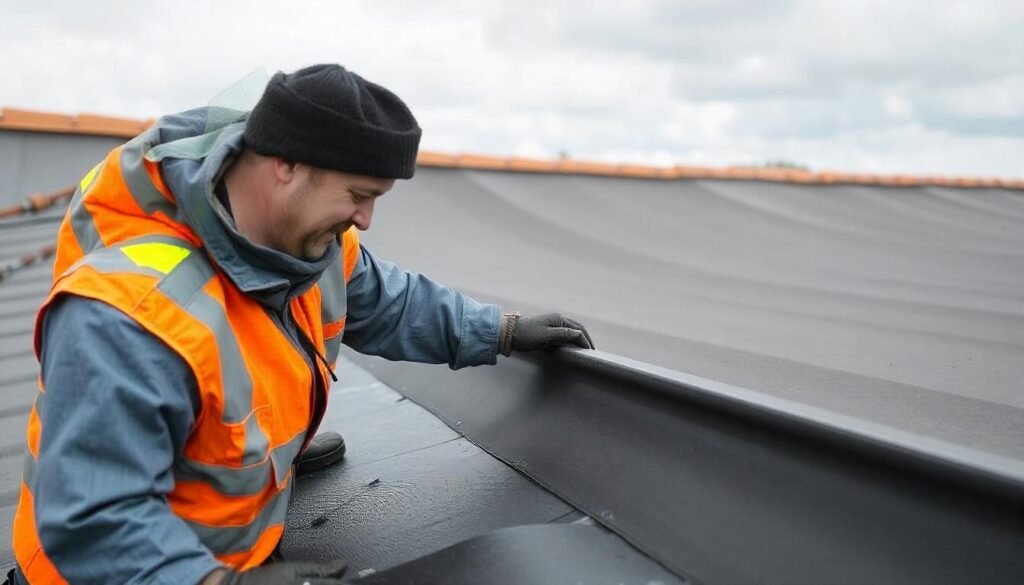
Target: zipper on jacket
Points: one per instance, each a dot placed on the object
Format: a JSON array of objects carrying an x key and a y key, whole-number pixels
[
  {"x": 305, "y": 347},
  {"x": 323, "y": 360}
]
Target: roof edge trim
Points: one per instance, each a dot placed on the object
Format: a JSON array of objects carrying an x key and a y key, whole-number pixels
[
  {"x": 978, "y": 467},
  {"x": 96, "y": 125},
  {"x": 89, "y": 124}
]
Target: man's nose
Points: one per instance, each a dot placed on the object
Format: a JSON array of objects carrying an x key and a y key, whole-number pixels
[{"x": 364, "y": 215}]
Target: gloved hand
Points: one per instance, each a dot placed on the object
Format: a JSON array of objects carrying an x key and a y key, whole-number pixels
[
  {"x": 290, "y": 574},
  {"x": 541, "y": 332}
]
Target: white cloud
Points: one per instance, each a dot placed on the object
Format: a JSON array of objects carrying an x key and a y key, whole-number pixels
[
  {"x": 860, "y": 85},
  {"x": 997, "y": 98},
  {"x": 898, "y": 107}
]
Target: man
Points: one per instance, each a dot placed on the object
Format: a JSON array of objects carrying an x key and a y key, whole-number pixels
[{"x": 205, "y": 275}]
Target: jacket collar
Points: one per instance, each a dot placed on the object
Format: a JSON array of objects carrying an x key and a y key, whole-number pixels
[{"x": 192, "y": 164}]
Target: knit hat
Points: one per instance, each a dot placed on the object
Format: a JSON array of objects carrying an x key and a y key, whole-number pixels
[{"x": 331, "y": 118}]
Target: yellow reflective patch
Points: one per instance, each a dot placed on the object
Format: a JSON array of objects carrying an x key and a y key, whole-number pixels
[
  {"x": 87, "y": 179},
  {"x": 158, "y": 256}
]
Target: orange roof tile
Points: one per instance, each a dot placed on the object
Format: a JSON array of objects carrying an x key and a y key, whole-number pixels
[
  {"x": 478, "y": 162},
  {"x": 27, "y": 120},
  {"x": 435, "y": 159},
  {"x": 585, "y": 168},
  {"x": 15, "y": 119},
  {"x": 531, "y": 165}
]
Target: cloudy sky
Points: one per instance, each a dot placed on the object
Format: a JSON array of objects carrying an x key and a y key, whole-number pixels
[{"x": 918, "y": 86}]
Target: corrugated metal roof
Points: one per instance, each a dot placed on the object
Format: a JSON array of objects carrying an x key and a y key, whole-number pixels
[{"x": 20, "y": 295}]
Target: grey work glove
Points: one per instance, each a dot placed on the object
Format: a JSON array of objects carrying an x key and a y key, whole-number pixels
[
  {"x": 290, "y": 574},
  {"x": 540, "y": 332}
]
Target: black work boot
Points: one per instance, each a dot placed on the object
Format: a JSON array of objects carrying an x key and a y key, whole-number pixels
[{"x": 324, "y": 450}]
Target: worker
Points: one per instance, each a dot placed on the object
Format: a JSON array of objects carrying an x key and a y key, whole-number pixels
[{"x": 205, "y": 275}]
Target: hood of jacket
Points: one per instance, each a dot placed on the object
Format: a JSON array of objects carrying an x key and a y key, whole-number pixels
[{"x": 194, "y": 149}]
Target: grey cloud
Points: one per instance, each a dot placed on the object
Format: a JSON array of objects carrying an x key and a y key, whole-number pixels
[
  {"x": 693, "y": 78},
  {"x": 810, "y": 49}
]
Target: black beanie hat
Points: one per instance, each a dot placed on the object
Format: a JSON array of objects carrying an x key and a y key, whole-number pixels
[{"x": 331, "y": 118}]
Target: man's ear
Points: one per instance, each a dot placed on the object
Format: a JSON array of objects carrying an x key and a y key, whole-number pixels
[{"x": 284, "y": 169}]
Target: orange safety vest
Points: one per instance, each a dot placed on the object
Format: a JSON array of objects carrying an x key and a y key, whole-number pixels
[{"x": 120, "y": 244}]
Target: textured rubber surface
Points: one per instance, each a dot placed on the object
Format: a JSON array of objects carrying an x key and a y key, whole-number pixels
[
  {"x": 408, "y": 486},
  {"x": 531, "y": 555},
  {"x": 720, "y": 497}
]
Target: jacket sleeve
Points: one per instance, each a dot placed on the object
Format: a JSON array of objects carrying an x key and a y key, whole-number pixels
[
  {"x": 118, "y": 407},
  {"x": 403, "y": 315}
]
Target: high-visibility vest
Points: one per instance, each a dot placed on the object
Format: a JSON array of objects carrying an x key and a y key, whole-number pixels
[{"x": 260, "y": 399}]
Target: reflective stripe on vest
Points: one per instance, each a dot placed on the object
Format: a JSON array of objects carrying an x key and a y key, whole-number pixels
[
  {"x": 148, "y": 198},
  {"x": 333, "y": 294},
  {"x": 228, "y": 540},
  {"x": 182, "y": 282},
  {"x": 180, "y": 272},
  {"x": 123, "y": 242},
  {"x": 124, "y": 171},
  {"x": 80, "y": 218},
  {"x": 332, "y": 309}
]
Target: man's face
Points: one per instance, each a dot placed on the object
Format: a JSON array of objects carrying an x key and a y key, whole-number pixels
[{"x": 318, "y": 205}]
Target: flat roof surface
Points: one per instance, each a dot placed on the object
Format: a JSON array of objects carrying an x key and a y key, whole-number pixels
[
  {"x": 898, "y": 305},
  {"x": 903, "y": 306}
]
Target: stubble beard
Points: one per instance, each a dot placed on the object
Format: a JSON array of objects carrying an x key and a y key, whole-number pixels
[{"x": 314, "y": 248}]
